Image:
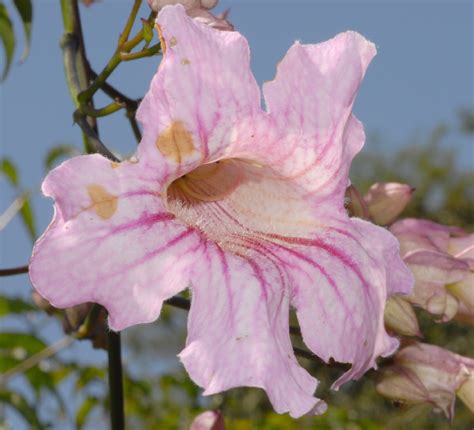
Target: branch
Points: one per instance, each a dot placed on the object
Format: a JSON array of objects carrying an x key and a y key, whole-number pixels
[
  {"x": 112, "y": 64},
  {"x": 14, "y": 271},
  {"x": 117, "y": 415}
]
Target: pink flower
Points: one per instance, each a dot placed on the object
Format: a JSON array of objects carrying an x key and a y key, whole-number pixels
[
  {"x": 425, "y": 373},
  {"x": 199, "y": 10},
  {"x": 442, "y": 260},
  {"x": 244, "y": 206}
]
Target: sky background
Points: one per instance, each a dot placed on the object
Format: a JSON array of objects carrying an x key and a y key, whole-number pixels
[{"x": 422, "y": 75}]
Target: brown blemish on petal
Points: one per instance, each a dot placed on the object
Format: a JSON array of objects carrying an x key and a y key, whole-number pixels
[
  {"x": 185, "y": 61},
  {"x": 173, "y": 42},
  {"x": 104, "y": 203},
  {"x": 114, "y": 164},
  {"x": 162, "y": 38},
  {"x": 175, "y": 142}
]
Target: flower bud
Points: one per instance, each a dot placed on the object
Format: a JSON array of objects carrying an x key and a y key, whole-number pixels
[
  {"x": 199, "y": 10},
  {"x": 441, "y": 259},
  {"x": 400, "y": 317},
  {"x": 385, "y": 201},
  {"x": 355, "y": 203},
  {"x": 466, "y": 393},
  {"x": 209, "y": 420},
  {"x": 428, "y": 374},
  {"x": 42, "y": 303}
]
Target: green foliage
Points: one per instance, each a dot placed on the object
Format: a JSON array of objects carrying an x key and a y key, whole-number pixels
[
  {"x": 25, "y": 10},
  {"x": 7, "y": 34},
  {"x": 23, "y": 407},
  {"x": 8, "y": 39},
  {"x": 10, "y": 172},
  {"x": 8, "y": 168},
  {"x": 14, "y": 306},
  {"x": 57, "y": 153}
]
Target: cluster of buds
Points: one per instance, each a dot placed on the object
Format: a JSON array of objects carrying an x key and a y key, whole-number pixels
[
  {"x": 424, "y": 373},
  {"x": 442, "y": 261},
  {"x": 199, "y": 10}
]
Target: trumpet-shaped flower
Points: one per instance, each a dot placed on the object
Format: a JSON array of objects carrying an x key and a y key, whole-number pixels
[
  {"x": 243, "y": 206},
  {"x": 442, "y": 260}
]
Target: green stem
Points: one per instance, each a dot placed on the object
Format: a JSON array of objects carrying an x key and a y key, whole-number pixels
[
  {"x": 106, "y": 110},
  {"x": 128, "y": 26},
  {"x": 87, "y": 94},
  {"x": 152, "y": 50},
  {"x": 117, "y": 415}
]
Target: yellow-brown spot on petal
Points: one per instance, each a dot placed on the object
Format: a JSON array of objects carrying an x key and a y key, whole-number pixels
[
  {"x": 162, "y": 38},
  {"x": 173, "y": 41},
  {"x": 175, "y": 142},
  {"x": 114, "y": 164},
  {"x": 104, "y": 203},
  {"x": 185, "y": 61}
]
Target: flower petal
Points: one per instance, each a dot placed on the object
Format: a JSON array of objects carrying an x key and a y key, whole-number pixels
[
  {"x": 238, "y": 333},
  {"x": 111, "y": 242},
  {"x": 311, "y": 101},
  {"x": 203, "y": 88},
  {"x": 339, "y": 289}
]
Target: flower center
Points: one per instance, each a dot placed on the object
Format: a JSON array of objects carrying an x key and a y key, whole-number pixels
[{"x": 233, "y": 201}]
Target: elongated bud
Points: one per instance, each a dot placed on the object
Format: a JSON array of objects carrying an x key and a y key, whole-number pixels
[
  {"x": 466, "y": 393},
  {"x": 428, "y": 374},
  {"x": 385, "y": 201},
  {"x": 209, "y": 420},
  {"x": 355, "y": 203},
  {"x": 400, "y": 317}
]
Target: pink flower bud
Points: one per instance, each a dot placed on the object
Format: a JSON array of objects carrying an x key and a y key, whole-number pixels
[
  {"x": 400, "y": 317},
  {"x": 425, "y": 373},
  {"x": 209, "y": 420},
  {"x": 355, "y": 203},
  {"x": 385, "y": 201}
]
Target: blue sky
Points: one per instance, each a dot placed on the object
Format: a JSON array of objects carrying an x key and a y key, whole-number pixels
[{"x": 422, "y": 75}]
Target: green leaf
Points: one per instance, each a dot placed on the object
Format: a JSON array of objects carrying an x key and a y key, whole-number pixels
[
  {"x": 28, "y": 412},
  {"x": 147, "y": 32},
  {"x": 6, "y": 166},
  {"x": 8, "y": 39},
  {"x": 25, "y": 10},
  {"x": 30, "y": 343},
  {"x": 10, "y": 305},
  {"x": 58, "y": 152},
  {"x": 26, "y": 213},
  {"x": 84, "y": 410}
]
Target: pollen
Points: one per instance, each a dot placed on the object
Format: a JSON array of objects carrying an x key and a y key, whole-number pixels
[
  {"x": 104, "y": 203},
  {"x": 175, "y": 142}
]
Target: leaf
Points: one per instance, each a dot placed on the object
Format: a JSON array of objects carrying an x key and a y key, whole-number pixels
[
  {"x": 26, "y": 213},
  {"x": 18, "y": 402},
  {"x": 6, "y": 166},
  {"x": 30, "y": 343},
  {"x": 9, "y": 305},
  {"x": 8, "y": 39},
  {"x": 57, "y": 152},
  {"x": 25, "y": 10},
  {"x": 84, "y": 410}
]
